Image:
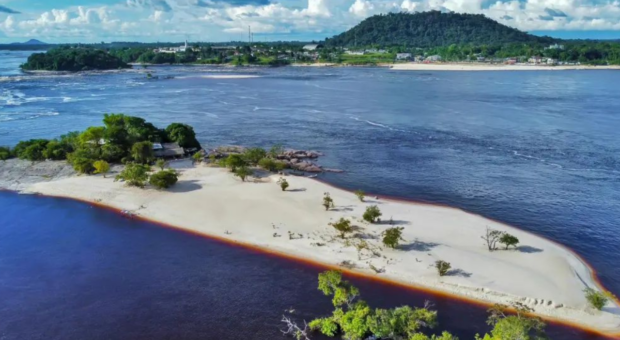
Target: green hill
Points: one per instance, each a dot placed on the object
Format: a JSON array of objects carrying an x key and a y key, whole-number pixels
[
  {"x": 431, "y": 29},
  {"x": 73, "y": 59}
]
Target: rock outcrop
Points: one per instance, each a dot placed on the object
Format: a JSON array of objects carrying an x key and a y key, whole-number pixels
[{"x": 297, "y": 160}]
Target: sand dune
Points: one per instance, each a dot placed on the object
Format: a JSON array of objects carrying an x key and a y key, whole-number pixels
[{"x": 541, "y": 274}]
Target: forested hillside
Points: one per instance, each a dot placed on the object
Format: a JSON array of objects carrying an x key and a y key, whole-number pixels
[{"x": 431, "y": 29}]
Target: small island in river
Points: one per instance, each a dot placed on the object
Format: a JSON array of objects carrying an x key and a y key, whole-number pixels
[
  {"x": 73, "y": 59},
  {"x": 253, "y": 198}
]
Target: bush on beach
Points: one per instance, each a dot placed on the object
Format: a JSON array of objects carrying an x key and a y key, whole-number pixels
[{"x": 164, "y": 179}]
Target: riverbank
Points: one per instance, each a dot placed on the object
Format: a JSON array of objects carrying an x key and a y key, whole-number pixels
[
  {"x": 494, "y": 67},
  {"x": 540, "y": 273}
]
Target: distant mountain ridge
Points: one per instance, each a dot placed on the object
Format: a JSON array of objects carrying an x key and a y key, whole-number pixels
[
  {"x": 30, "y": 42},
  {"x": 431, "y": 29}
]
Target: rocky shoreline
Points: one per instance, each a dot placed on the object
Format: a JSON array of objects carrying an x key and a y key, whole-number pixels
[{"x": 295, "y": 160}]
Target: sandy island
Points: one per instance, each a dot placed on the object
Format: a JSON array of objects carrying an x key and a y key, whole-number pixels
[
  {"x": 541, "y": 274},
  {"x": 494, "y": 67}
]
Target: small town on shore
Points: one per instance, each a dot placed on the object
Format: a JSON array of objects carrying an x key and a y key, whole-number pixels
[{"x": 429, "y": 38}]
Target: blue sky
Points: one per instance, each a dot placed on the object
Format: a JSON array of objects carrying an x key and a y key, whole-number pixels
[{"x": 224, "y": 20}]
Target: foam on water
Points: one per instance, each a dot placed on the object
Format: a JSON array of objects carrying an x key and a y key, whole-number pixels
[{"x": 7, "y": 117}]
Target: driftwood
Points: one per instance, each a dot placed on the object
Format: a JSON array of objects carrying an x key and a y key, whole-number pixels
[{"x": 294, "y": 330}]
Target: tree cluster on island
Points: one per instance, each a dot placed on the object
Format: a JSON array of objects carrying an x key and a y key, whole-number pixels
[
  {"x": 73, "y": 59},
  {"x": 123, "y": 139},
  {"x": 241, "y": 164},
  {"x": 354, "y": 319}
]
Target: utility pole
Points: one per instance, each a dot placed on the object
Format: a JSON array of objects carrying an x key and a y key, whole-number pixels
[{"x": 249, "y": 34}]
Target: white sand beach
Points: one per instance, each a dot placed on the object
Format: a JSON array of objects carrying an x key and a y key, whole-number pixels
[
  {"x": 541, "y": 274},
  {"x": 493, "y": 67}
]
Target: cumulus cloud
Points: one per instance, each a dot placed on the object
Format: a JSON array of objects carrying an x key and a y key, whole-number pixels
[
  {"x": 213, "y": 20},
  {"x": 158, "y": 5}
]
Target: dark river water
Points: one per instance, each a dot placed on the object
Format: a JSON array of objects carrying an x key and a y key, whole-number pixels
[
  {"x": 538, "y": 150},
  {"x": 72, "y": 271}
]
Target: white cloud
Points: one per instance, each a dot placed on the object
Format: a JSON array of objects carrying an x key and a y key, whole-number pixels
[
  {"x": 318, "y": 7},
  {"x": 212, "y": 20}
]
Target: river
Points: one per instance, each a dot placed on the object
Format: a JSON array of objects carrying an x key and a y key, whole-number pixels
[{"x": 537, "y": 149}]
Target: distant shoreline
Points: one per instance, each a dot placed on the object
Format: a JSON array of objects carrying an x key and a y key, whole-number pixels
[
  {"x": 391, "y": 66},
  {"x": 494, "y": 67}
]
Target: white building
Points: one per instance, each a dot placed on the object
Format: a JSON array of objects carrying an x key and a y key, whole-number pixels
[
  {"x": 184, "y": 47},
  {"x": 403, "y": 56},
  {"x": 535, "y": 60},
  {"x": 311, "y": 47},
  {"x": 181, "y": 49},
  {"x": 433, "y": 58},
  {"x": 354, "y": 52}
]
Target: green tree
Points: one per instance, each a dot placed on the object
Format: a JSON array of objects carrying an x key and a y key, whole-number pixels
[
  {"x": 101, "y": 167},
  {"x": 444, "y": 336},
  {"x": 93, "y": 137},
  {"x": 235, "y": 161},
  {"x": 197, "y": 157},
  {"x": 353, "y": 322},
  {"x": 70, "y": 141},
  {"x": 517, "y": 327},
  {"x": 139, "y": 130},
  {"x": 356, "y": 320},
  {"x": 116, "y": 130},
  {"x": 82, "y": 160},
  {"x": 442, "y": 267},
  {"x": 164, "y": 179},
  {"x": 508, "y": 240},
  {"x": 142, "y": 152},
  {"x": 276, "y": 151},
  {"x": 328, "y": 202},
  {"x": 253, "y": 155},
  {"x": 55, "y": 150},
  {"x": 283, "y": 183},
  {"x": 344, "y": 293},
  {"x": 343, "y": 226},
  {"x": 182, "y": 134},
  {"x": 243, "y": 172},
  {"x": 5, "y": 153},
  {"x": 32, "y": 150},
  {"x": 371, "y": 214},
  {"x": 326, "y": 326},
  {"x": 113, "y": 153},
  {"x": 360, "y": 195},
  {"x": 134, "y": 174},
  {"x": 402, "y": 322},
  {"x": 392, "y": 237},
  {"x": 161, "y": 164},
  {"x": 597, "y": 299},
  {"x": 272, "y": 165}
]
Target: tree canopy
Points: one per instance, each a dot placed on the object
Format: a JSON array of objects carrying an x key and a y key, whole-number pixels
[
  {"x": 73, "y": 59},
  {"x": 182, "y": 134},
  {"x": 431, "y": 29},
  {"x": 356, "y": 320}
]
